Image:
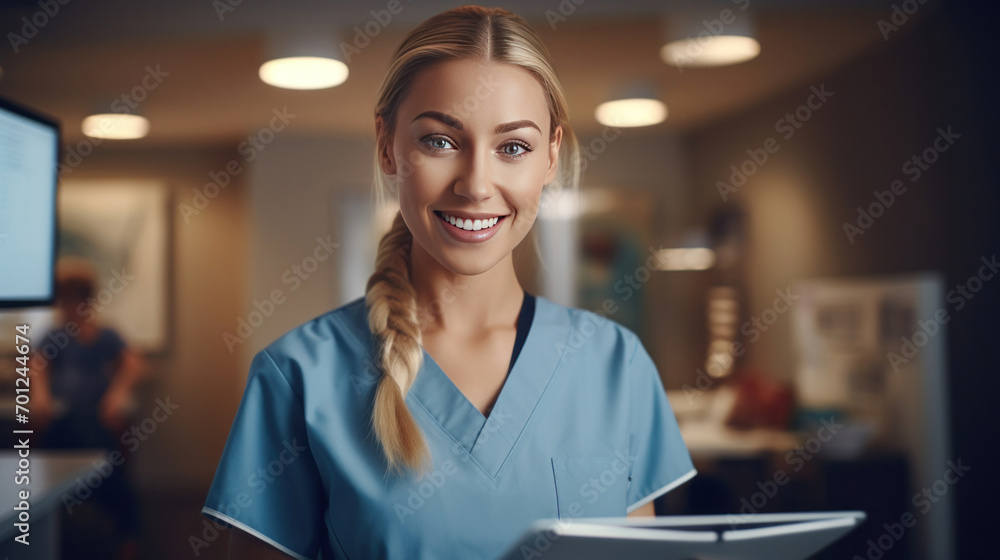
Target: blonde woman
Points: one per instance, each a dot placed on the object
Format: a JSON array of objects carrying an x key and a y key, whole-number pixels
[{"x": 442, "y": 413}]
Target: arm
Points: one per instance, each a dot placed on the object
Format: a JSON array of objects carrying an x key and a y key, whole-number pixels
[
  {"x": 243, "y": 545},
  {"x": 42, "y": 409},
  {"x": 644, "y": 510},
  {"x": 131, "y": 369}
]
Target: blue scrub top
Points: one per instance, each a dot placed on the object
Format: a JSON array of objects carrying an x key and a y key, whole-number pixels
[{"x": 581, "y": 428}]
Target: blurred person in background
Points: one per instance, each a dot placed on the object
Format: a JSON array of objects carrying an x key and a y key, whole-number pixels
[{"x": 82, "y": 387}]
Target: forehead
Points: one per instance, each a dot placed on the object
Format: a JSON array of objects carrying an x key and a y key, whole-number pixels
[{"x": 476, "y": 92}]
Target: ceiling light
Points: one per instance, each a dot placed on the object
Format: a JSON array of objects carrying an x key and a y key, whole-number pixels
[
  {"x": 303, "y": 60},
  {"x": 707, "y": 38},
  {"x": 115, "y": 126},
  {"x": 638, "y": 106},
  {"x": 303, "y": 72}
]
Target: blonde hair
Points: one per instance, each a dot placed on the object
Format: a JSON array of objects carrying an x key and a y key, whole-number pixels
[{"x": 488, "y": 34}]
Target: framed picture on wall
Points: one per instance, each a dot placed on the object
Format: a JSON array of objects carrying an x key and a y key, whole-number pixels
[{"x": 121, "y": 227}]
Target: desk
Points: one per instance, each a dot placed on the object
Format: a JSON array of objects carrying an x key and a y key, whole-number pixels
[
  {"x": 706, "y": 440},
  {"x": 51, "y": 474}
]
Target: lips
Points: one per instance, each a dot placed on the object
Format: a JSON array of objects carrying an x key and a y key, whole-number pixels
[
  {"x": 469, "y": 223},
  {"x": 471, "y": 235}
]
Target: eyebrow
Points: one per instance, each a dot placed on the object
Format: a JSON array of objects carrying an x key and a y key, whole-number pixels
[{"x": 457, "y": 124}]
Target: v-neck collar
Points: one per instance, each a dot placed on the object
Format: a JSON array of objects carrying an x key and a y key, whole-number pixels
[{"x": 490, "y": 440}]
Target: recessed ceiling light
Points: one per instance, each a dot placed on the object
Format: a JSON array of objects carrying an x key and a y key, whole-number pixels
[
  {"x": 706, "y": 39},
  {"x": 631, "y": 112},
  {"x": 303, "y": 72},
  {"x": 115, "y": 126},
  {"x": 721, "y": 50}
]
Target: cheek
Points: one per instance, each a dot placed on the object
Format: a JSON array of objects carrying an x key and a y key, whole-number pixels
[{"x": 529, "y": 195}]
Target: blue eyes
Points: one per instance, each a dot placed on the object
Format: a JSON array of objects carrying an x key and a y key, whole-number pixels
[{"x": 513, "y": 149}]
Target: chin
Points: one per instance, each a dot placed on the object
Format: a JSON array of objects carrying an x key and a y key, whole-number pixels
[{"x": 468, "y": 264}]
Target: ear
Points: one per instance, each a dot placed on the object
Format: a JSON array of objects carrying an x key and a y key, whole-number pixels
[
  {"x": 554, "y": 145},
  {"x": 384, "y": 143}
]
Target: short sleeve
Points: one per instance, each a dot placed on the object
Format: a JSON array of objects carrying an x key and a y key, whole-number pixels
[
  {"x": 267, "y": 482},
  {"x": 660, "y": 460},
  {"x": 114, "y": 341},
  {"x": 113, "y": 344}
]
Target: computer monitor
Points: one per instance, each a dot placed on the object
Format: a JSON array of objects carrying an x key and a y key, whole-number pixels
[{"x": 29, "y": 177}]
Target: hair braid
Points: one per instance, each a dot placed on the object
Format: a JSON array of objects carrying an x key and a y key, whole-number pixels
[{"x": 392, "y": 318}]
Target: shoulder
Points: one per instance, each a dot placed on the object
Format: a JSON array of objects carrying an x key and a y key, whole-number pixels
[
  {"x": 594, "y": 331},
  {"x": 328, "y": 343}
]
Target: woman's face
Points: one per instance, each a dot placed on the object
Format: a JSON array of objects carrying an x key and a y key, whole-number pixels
[{"x": 471, "y": 141}]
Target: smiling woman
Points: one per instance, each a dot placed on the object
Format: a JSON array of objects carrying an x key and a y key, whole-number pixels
[{"x": 448, "y": 409}]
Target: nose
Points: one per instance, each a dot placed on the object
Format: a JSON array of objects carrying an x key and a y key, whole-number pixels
[{"x": 475, "y": 181}]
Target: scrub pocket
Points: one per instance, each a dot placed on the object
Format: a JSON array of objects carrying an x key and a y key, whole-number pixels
[{"x": 591, "y": 486}]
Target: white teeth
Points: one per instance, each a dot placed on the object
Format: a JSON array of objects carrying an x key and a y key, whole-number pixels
[{"x": 470, "y": 225}]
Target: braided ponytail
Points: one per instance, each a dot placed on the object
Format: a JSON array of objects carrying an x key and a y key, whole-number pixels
[{"x": 392, "y": 318}]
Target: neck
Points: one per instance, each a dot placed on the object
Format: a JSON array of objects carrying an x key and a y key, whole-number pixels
[{"x": 460, "y": 303}]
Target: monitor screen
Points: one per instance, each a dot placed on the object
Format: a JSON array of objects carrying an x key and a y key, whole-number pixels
[{"x": 29, "y": 159}]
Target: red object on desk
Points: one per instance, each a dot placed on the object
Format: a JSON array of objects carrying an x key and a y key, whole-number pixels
[{"x": 761, "y": 402}]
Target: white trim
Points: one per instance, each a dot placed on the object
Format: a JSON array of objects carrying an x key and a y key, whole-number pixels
[
  {"x": 254, "y": 532},
  {"x": 791, "y": 529},
  {"x": 677, "y": 482},
  {"x": 585, "y": 529}
]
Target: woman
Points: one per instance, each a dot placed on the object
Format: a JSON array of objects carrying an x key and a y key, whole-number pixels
[{"x": 442, "y": 413}]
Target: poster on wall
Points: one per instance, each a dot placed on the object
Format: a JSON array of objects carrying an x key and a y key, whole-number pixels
[{"x": 120, "y": 227}]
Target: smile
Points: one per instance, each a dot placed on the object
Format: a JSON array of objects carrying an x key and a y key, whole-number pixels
[{"x": 469, "y": 224}]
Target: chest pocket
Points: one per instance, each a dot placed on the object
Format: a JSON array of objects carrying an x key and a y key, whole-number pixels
[{"x": 591, "y": 486}]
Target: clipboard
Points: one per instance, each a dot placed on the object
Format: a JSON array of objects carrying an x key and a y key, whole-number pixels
[{"x": 768, "y": 536}]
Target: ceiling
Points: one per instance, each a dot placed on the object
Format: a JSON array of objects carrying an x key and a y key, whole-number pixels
[{"x": 88, "y": 54}]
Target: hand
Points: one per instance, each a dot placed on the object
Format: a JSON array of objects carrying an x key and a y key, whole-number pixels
[{"x": 112, "y": 409}]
